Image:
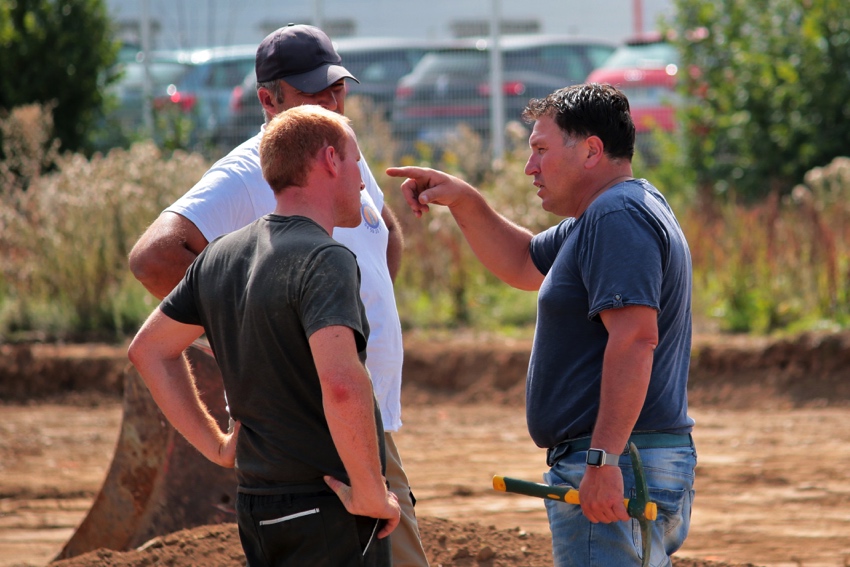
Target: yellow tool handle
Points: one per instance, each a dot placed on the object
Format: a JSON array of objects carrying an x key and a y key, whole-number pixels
[{"x": 561, "y": 493}]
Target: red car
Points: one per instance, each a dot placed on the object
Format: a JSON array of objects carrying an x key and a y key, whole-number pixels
[{"x": 646, "y": 70}]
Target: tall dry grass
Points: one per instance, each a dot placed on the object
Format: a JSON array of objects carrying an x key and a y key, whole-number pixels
[
  {"x": 67, "y": 224},
  {"x": 441, "y": 283},
  {"x": 781, "y": 264}
]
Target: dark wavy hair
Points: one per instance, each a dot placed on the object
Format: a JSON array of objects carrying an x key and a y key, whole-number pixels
[{"x": 590, "y": 109}]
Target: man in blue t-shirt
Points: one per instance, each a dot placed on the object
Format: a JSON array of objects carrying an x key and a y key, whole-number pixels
[{"x": 611, "y": 349}]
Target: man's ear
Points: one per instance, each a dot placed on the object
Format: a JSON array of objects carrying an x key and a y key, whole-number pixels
[
  {"x": 328, "y": 159},
  {"x": 267, "y": 100},
  {"x": 595, "y": 151}
]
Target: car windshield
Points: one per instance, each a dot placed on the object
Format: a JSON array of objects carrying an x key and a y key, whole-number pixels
[
  {"x": 643, "y": 56},
  {"x": 650, "y": 96},
  {"x": 162, "y": 73},
  {"x": 572, "y": 61},
  {"x": 377, "y": 67},
  {"x": 215, "y": 73},
  {"x": 557, "y": 60},
  {"x": 461, "y": 63}
]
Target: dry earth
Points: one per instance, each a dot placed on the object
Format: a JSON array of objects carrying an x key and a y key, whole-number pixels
[{"x": 772, "y": 438}]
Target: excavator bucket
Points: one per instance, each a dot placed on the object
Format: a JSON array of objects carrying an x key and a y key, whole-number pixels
[{"x": 158, "y": 483}]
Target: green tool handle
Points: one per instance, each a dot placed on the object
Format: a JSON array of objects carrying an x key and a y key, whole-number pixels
[{"x": 560, "y": 493}]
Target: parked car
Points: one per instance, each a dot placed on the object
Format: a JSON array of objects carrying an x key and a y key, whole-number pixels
[
  {"x": 646, "y": 69},
  {"x": 204, "y": 91},
  {"x": 165, "y": 68},
  {"x": 378, "y": 63},
  {"x": 452, "y": 86}
]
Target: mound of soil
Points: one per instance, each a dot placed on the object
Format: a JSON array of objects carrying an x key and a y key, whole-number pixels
[
  {"x": 448, "y": 544},
  {"x": 809, "y": 370}
]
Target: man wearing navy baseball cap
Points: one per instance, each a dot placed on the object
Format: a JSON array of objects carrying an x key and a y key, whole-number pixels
[
  {"x": 296, "y": 65},
  {"x": 302, "y": 55}
]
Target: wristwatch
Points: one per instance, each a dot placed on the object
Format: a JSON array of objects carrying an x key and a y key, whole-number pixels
[{"x": 599, "y": 458}]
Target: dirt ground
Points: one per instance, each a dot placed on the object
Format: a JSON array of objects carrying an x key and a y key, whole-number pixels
[{"x": 772, "y": 439}]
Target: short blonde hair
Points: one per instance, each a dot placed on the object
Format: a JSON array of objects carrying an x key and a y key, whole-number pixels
[{"x": 293, "y": 139}]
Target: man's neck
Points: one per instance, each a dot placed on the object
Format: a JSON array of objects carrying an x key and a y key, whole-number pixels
[
  {"x": 294, "y": 201},
  {"x": 604, "y": 183}
]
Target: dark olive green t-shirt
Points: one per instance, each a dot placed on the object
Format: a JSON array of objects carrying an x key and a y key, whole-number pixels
[{"x": 259, "y": 293}]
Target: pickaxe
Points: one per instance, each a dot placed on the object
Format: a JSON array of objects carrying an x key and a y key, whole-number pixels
[{"x": 639, "y": 507}]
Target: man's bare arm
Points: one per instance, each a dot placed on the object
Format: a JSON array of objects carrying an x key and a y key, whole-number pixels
[
  {"x": 157, "y": 353},
  {"x": 350, "y": 411},
  {"x": 626, "y": 370},
  {"x": 163, "y": 253},
  {"x": 395, "y": 243},
  {"x": 501, "y": 245}
]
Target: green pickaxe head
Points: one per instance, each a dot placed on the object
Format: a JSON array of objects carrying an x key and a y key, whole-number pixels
[{"x": 638, "y": 505}]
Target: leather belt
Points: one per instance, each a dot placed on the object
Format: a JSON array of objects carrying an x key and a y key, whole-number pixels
[{"x": 642, "y": 440}]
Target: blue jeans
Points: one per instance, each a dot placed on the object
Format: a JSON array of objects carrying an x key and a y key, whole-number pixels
[{"x": 576, "y": 542}]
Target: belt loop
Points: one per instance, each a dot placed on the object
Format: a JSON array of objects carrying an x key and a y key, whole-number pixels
[
  {"x": 559, "y": 451},
  {"x": 556, "y": 453},
  {"x": 549, "y": 454}
]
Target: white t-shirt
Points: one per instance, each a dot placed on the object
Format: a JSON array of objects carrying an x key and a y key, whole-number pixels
[{"x": 233, "y": 193}]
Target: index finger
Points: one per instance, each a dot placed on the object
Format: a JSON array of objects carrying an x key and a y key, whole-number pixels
[
  {"x": 406, "y": 171},
  {"x": 410, "y": 187}
]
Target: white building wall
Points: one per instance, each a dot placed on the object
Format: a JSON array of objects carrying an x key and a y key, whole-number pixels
[{"x": 201, "y": 23}]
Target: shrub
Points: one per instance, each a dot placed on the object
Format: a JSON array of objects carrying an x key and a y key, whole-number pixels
[{"x": 57, "y": 52}]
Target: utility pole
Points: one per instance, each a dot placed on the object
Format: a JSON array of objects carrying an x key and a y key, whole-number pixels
[
  {"x": 318, "y": 14},
  {"x": 210, "y": 23},
  {"x": 147, "y": 88},
  {"x": 497, "y": 94},
  {"x": 637, "y": 17}
]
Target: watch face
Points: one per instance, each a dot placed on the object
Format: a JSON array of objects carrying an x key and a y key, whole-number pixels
[{"x": 594, "y": 458}]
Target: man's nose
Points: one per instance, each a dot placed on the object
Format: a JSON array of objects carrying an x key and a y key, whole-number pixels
[{"x": 530, "y": 166}]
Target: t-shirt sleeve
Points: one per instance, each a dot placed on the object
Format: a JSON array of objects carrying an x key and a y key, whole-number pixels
[
  {"x": 621, "y": 262},
  {"x": 180, "y": 304},
  {"x": 545, "y": 246},
  {"x": 331, "y": 294},
  {"x": 217, "y": 204}
]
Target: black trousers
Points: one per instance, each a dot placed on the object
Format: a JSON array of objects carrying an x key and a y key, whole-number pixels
[{"x": 298, "y": 530}]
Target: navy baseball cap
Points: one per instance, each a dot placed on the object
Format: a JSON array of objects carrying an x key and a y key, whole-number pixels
[{"x": 301, "y": 55}]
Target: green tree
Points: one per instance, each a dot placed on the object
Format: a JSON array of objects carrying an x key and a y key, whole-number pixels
[
  {"x": 56, "y": 52},
  {"x": 770, "y": 86}
]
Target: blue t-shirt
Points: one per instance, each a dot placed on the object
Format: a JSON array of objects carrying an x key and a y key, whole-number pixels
[{"x": 627, "y": 248}]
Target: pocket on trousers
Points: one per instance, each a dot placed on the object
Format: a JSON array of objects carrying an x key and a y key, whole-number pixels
[
  {"x": 673, "y": 519},
  {"x": 300, "y": 534},
  {"x": 289, "y": 518}
]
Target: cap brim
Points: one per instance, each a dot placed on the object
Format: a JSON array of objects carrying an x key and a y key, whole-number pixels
[{"x": 319, "y": 79}]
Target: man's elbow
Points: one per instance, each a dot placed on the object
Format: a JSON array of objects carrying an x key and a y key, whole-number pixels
[
  {"x": 140, "y": 264},
  {"x": 345, "y": 388},
  {"x": 135, "y": 351},
  {"x": 528, "y": 278},
  {"x": 338, "y": 392},
  {"x": 146, "y": 268}
]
